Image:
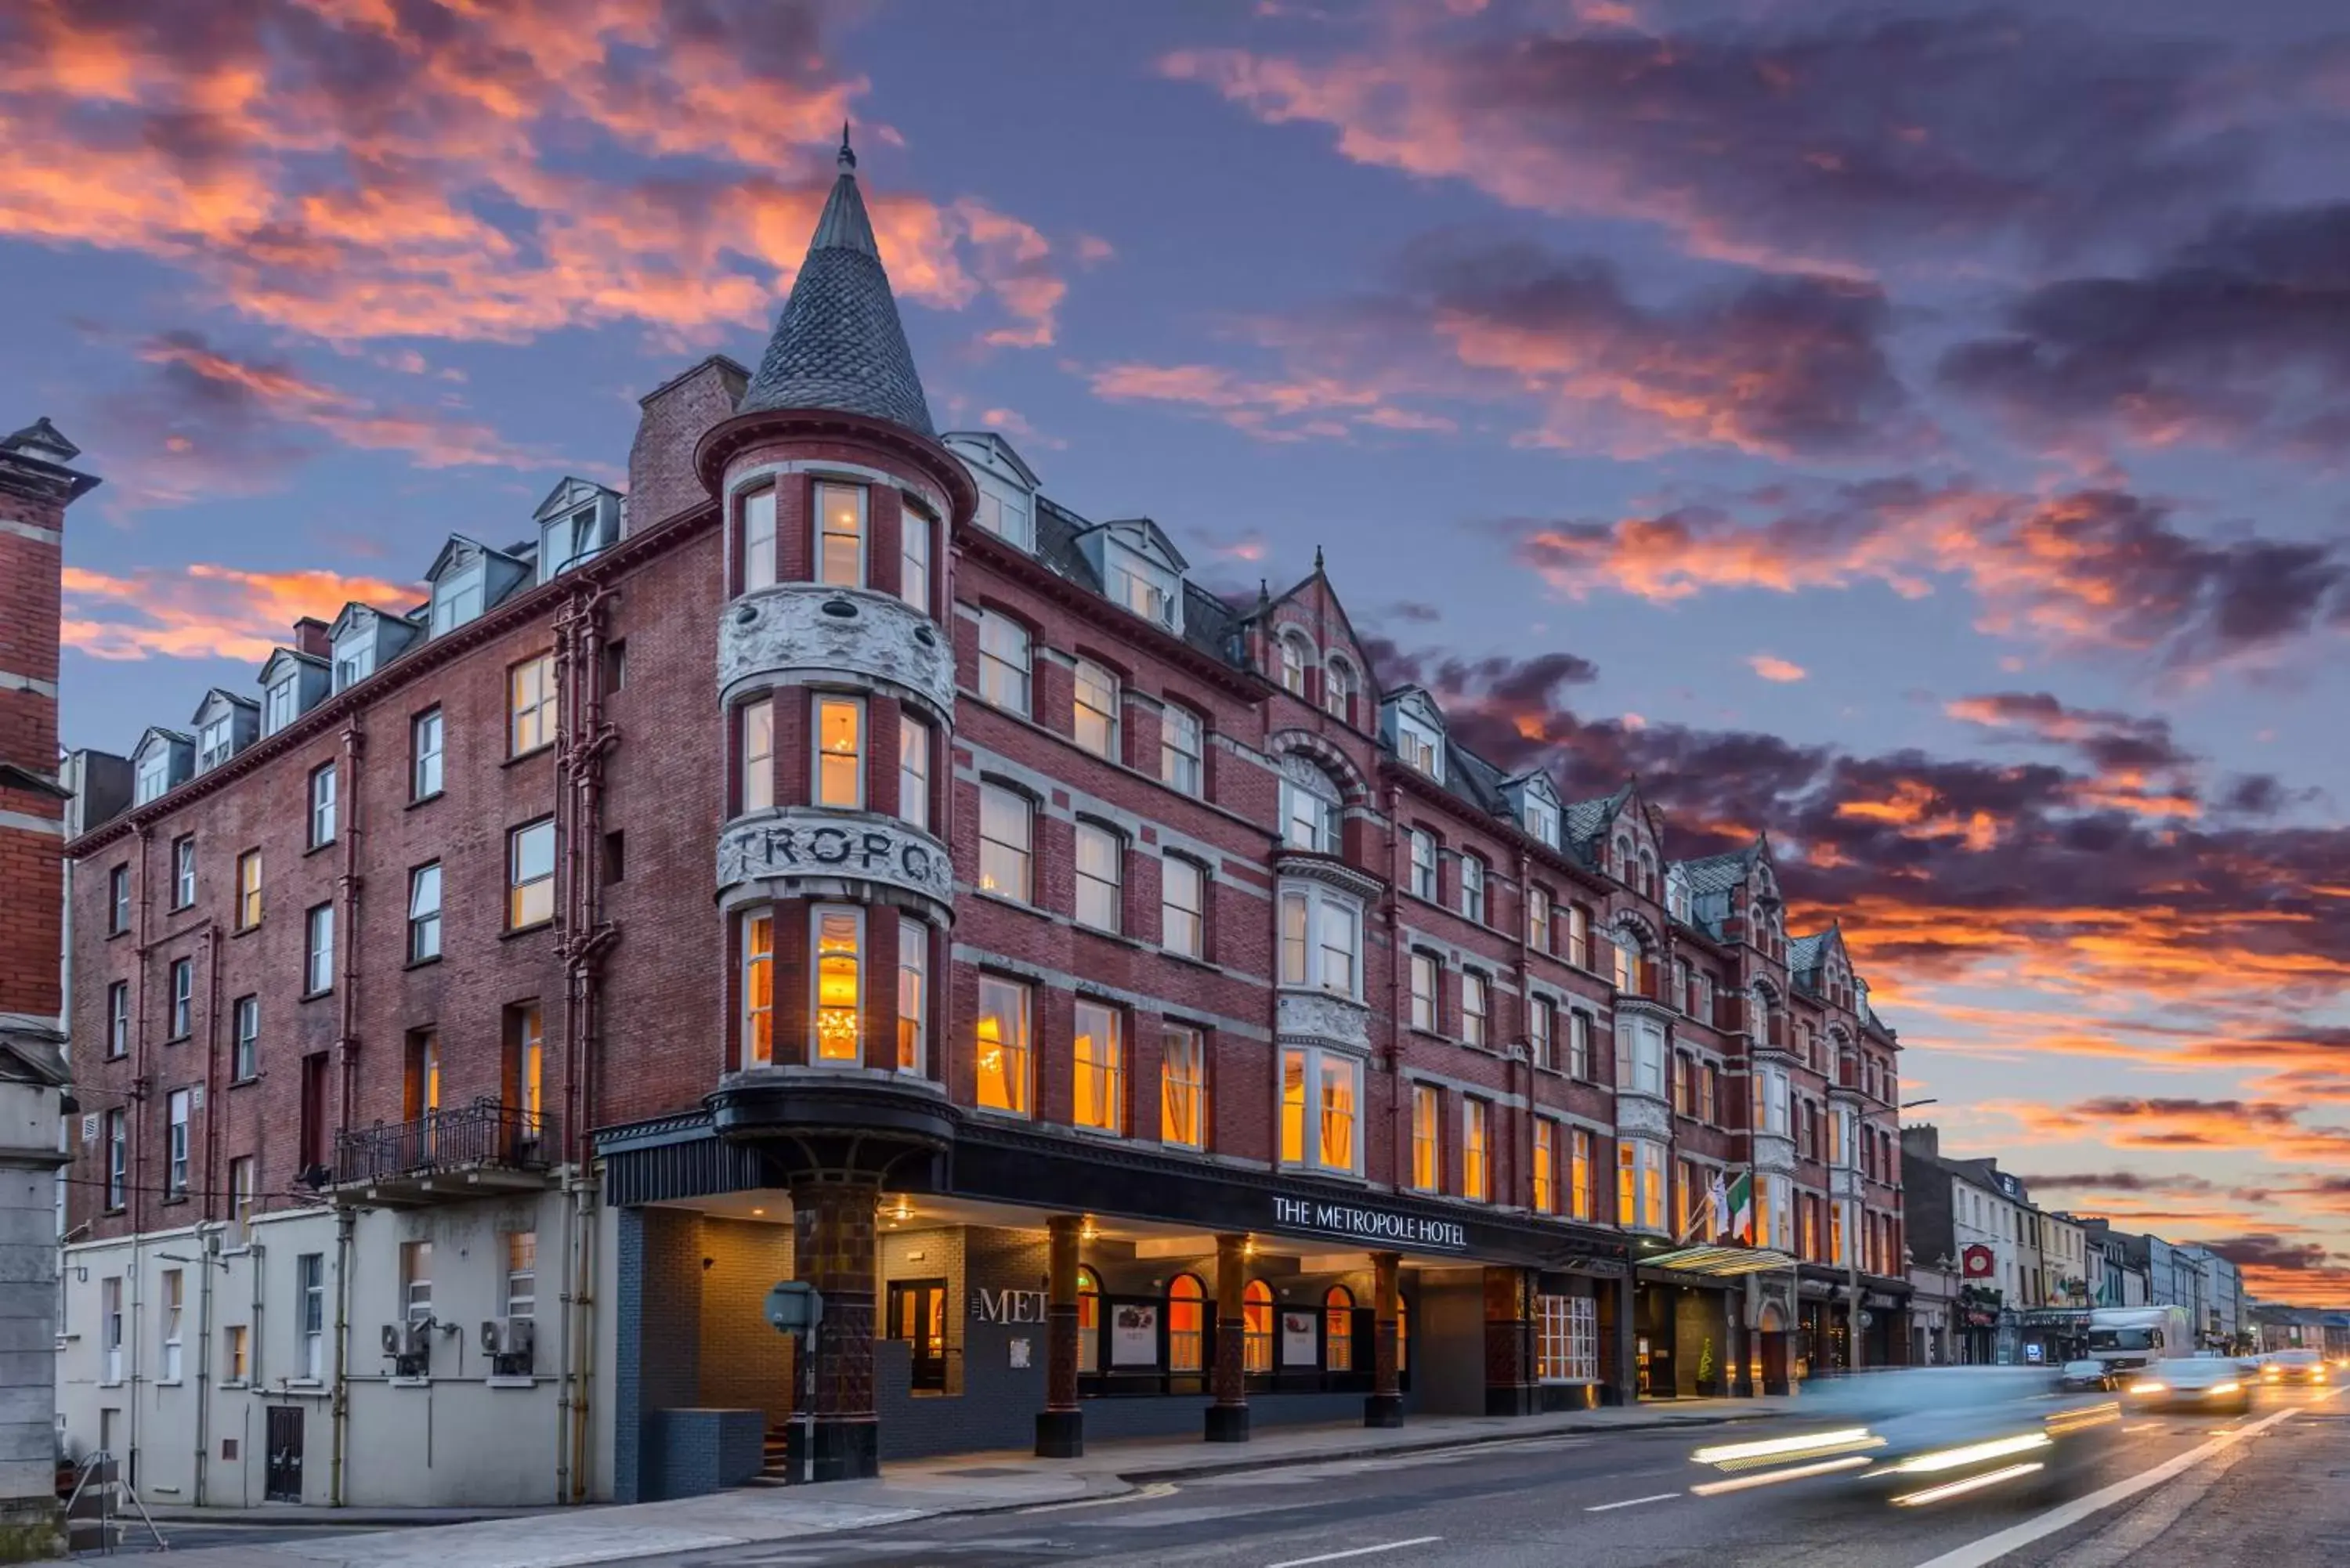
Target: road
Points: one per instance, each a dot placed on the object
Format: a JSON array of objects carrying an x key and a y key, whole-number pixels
[{"x": 2271, "y": 1496}]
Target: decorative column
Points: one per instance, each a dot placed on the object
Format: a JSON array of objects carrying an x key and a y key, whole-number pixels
[
  {"x": 1619, "y": 1341},
  {"x": 1061, "y": 1425},
  {"x": 1508, "y": 1350},
  {"x": 833, "y": 1250},
  {"x": 1384, "y": 1407},
  {"x": 1228, "y": 1418}
]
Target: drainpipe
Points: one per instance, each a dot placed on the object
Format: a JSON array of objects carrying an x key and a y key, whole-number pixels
[
  {"x": 346, "y": 924},
  {"x": 340, "y": 1403},
  {"x": 206, "y": 1260},
  {"x": 141, "y": 1092},
  {"x": 1524, "y": 1143},
  {"x": 1398, "y": 1003}
]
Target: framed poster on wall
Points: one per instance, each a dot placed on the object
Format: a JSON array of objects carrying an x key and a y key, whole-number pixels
[
  {"x": 1300, "y": 1345},
  {"x": 1134, "y": 1335}
]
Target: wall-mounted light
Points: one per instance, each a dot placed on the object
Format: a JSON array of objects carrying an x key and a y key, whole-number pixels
[{"x": 1086, "y": 1232}]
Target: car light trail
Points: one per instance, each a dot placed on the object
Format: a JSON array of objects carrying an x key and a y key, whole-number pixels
[
  {"x": 1960, "y": 1488},
  {"x": 1739, "y": 1456},
  {"x": 2088, "y": 1416},
  {"x": 2149, "y": 1387},
  {"x": 1772, "y": 1478},
  {"x": 1973, "y": 1453}
]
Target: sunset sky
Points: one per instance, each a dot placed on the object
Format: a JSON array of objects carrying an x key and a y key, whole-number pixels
[{"x": 1916, "y": 431}]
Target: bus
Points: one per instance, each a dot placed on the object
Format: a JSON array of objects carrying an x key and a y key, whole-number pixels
[{"x": 2126, "y": 1337}]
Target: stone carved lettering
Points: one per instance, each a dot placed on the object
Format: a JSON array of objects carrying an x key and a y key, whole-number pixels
[
  {"x": 786, "y": 630},
  {"x": 812, "y": 841},
  {"x": 1007, "y": 1306}
]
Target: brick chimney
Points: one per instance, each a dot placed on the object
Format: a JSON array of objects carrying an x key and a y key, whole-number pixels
[
  {"x": 36, "y": 488},
  {"x": 310, "y": 637}
]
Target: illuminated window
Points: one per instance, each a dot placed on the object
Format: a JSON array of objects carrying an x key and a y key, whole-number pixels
[
  {"x": 1004, "y": 828},
  {"x": 1423, "y": 991},
  {"x": 530, "y": 705},
  {"x": 1476, "y": 1151},
  {"x": 1256, "y": 1325},
  {"x": 1101, "y": 853},
  {"x": 840, "y": 752},
  {"x": 1186, "y": 1322},
  {"x": 530, "y": 875},
  {"x": 1427, "y": 1147},
  {"x": 759, "y": 540},
  {"x": 840, "y": 536},
  {"x": 1094, "y": 717},
  {"x": 1100, "y": 1052},
  {"x": 839, "y": 963},
  {"x": 1578, "y": 1173},
  {"x": 248, "y": 890},
  {"x": 758, "y": 722},
  {"x": 1321, "y": 1092},
  {"x": 1566, "y": 1339},
  {"x": 1545, "y": 1168},
  {"x": 1640, "y": 1186},
  {"x": 1182, "y": 1087},
  {"x": 1088, "y": 1321},
  {"x": 526, "y": 1064},
  {"x": 1003, "y": 1044},
  {"x": 913, "y": 995},
  {"x": 1338, "y": 1329},
  {"x": 758, "y": 989}
]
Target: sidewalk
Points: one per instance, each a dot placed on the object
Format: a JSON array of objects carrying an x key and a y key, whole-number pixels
[{"x": 910, "y": 1489}]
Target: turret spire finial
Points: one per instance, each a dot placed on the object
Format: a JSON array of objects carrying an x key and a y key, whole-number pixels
[{"x": 848, "y": 158}]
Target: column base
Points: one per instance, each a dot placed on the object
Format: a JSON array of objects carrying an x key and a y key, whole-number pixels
[
  {"x": 1060, "y": 1434},
  {"x": 1383, "y": 1411},
  {"x": 1743, "y": 1389},
  {"x": 1610, "y": 1394},
  {"x": 844, "y": 1450},
  {"x": 1514, "y": 1399},
  {"x": 1228, "y": 1424},
  {"x": 1777, "y": 1386}
]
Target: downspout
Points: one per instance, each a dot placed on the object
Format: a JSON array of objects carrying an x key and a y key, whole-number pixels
[
  {"x": 206, "y": 1260},
  {"x": 141, "y": 1093},
  {"x": 1524, "y": 1142},
  {"x": 341, "y": 1404},
  {"x": 1398, "y": 1003}
]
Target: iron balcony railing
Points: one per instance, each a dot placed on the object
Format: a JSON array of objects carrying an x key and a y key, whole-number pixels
[{"x": 485, "y": 1133}]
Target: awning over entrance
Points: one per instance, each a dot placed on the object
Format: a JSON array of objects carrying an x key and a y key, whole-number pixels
[{"x": 1720, "y": 1261}]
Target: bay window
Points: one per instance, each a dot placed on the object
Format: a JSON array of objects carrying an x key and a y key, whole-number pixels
[
  {"x": 840, "y": 752},
  {"x": 839, "y": 962},
  {"x": 915, "y": 531},
  {"x": 1321, "y": 1097},
  {"x": 1005, "y": 1043},
  {"x": 1321, "y": 940},
  {"x": 759, "y": 540},
  {"x": 1639, "y": 1056},
  {"x": 840, "y": 536},
  {"x": 758, "y": 989},
  {"x": 913, "y": 772},
  {"x": 913, "y": 995},
  {"x": 1100, "y": 1058},
  {"x": 1639, "y": 1185},
  {"x": 758, "y": 754}
]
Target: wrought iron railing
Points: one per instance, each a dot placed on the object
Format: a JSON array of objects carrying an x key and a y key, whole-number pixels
[{"x": 485, "y": 1133}]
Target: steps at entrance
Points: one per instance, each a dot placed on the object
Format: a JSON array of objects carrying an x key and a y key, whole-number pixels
[{"x": 775, "y": 1466}]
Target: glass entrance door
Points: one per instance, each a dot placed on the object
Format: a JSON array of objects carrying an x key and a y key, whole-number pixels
[{"x": 918, "y": 1314}]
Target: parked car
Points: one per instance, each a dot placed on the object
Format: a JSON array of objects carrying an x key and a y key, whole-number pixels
[
  {"x": 2191, "y": 1383},
  {"x": 2078, "y": 1376}
]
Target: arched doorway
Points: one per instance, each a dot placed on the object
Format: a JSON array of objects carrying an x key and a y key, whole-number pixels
[
  {"x": 1338, "y": 1329},
  {"x": 1186, "y": 1324}
]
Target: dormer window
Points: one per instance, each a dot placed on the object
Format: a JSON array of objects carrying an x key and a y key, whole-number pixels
[
  {"x": 1006, "y": 486},
  {"x": 154, "y": 775},
  {"x": 1294, "y": 658},
  {"x": 1006, "y": 515},
  {"x": 216, "y": 740},
  {"x": 1542, "y": 820},
  {"x": 457, "y": 597},
  {"x": 1339, "y": 689},
  {"x": 1419, "y": 746},
  {"x": 1676, "y": 894},
  {"x": 282, "y": 703},
  {"x": 1144, "y": 592},
  {"x": 355, "y": 657},
  {"x": 578, "y": 535}
]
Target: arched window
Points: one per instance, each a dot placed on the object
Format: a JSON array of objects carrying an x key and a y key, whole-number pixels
[
  {"x": 1647, "y": 874},
  {"x": 1310, "y": 802},
  {"x": 1619, "y": 864},
  {"x": 1088, "y": 1321},
  {"x": 1256, "y": 1324},
  {"x": 1294, "y": 657},
  {"x": 1338, "y": 1329},
  {"x": 1185, "y": 1324},
  {"x": 1339, "y": 689}
]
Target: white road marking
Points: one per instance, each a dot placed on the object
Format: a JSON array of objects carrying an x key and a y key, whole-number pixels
[
  {"x": 1156, "y": 1489},
  {"x": 2144, "y": 1426},
  {"x": 1631, "y": 1502},
  {"x": 1991, "y": 1548},
  {"x": 1358, "y": 1552}
]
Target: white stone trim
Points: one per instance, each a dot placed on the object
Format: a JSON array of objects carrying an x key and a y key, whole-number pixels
[
  {"x": 39, "y": 536},
  {"x": 12, "y": 682},
  {"x": 29, "y": 823},
  {"x": 791, "y": 634}
]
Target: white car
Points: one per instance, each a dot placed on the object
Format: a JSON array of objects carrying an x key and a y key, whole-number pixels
[{"x": 2193, "y": 1382}]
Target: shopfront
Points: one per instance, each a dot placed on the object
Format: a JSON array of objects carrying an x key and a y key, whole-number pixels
[{"x": 1250, "y": 1297}]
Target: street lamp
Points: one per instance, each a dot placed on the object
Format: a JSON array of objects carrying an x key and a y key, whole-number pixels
[{"x": 1913, "y": 1105}]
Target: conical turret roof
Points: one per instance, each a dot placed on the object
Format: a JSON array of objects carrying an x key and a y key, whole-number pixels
[{"x": 838, "y": 344}]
